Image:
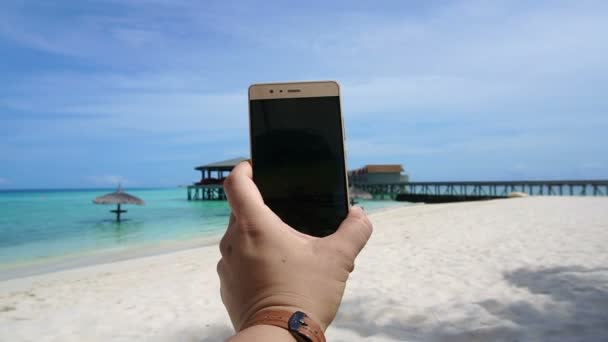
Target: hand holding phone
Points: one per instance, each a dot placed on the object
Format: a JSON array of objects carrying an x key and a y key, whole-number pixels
[{"x": 266, "y": 264}]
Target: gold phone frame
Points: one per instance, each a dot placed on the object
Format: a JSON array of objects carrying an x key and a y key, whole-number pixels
[{"x": 269, "y": 91}]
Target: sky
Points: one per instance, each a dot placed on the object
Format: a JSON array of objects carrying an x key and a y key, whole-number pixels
[{"x": 93, "y": 93}]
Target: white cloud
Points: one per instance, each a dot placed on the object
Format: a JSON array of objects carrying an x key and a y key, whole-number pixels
[
  {"x": 464, "y": 58},
  {"x": 379, "y": 147},
  {"x": 106, "y": 180},
  {"x": 593, "y": 165},
  {"x": 155, "y": 102}
]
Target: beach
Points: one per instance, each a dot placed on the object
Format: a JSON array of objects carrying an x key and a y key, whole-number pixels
[{"x": 524, "y": 269}]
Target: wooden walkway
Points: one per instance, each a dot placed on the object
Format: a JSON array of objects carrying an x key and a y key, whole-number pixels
[{"x": 458, "y": 191}]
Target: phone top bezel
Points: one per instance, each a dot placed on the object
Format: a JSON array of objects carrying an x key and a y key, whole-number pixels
[{"x": 261, "y": 91}]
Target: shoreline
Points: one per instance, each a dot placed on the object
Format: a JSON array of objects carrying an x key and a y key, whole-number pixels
[
  {"x": 107, "y": 256},
  {"x": 36, "y": 267}
]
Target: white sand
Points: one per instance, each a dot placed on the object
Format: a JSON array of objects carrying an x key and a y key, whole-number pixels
[{"x": 518, "y": 269}]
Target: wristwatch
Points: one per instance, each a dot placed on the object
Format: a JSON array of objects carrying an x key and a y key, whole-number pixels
[{"x": 297, "y": 323}]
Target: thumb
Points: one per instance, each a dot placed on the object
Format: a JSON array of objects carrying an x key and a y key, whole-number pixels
[
  {"x": 354, "y": 232},
  {"x": 243, "y": 195}
]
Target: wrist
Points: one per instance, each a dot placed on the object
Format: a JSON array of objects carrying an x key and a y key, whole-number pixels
[
  {"x": 288, "y": 308},
  {"x": 301, "y": 326},
  {"x": 263, "y": 332}
]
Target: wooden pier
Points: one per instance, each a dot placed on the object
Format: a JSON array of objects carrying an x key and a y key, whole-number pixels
[
  {"x": 387, "y": 182},
  {"x": 437, "y": 192}
]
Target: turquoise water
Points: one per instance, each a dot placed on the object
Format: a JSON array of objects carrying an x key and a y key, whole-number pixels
[
  {"x": 36, "y": 225},
  {"x": 52, "y": 224}
]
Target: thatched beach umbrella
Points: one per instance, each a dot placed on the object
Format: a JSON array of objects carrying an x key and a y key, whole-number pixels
[{"x": 119, "y": 197}]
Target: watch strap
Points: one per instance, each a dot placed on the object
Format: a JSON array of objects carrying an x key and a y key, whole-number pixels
[{"x": 302, "y": 327}]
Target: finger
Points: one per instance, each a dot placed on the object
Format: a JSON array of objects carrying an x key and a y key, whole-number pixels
[
  {"x": 243, "y": 195},
  {"x": 354, "y": 232}
]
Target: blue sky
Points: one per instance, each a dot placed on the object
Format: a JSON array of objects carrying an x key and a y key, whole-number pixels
[{"x": 95, "y": 92}]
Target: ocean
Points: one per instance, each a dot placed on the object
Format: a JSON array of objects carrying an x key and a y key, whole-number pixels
[{"x": 42, "y": 227}]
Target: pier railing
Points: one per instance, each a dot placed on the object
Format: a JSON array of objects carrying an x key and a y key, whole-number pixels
[
  {"x": 484, "y": 190},
  {"x": 207, "y": 192}
]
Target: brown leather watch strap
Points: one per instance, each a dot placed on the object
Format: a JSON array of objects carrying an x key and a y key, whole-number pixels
[{"x": 299, "y": 324}]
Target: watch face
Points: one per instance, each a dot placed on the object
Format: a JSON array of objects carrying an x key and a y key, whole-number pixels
[
  {"x": 296, "y": 320},
  {"x": 301, "y": 327},
  {"x": 304, "y": 331}
]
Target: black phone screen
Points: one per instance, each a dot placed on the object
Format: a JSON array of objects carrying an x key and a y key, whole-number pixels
[{"x": 298, "y": 161}]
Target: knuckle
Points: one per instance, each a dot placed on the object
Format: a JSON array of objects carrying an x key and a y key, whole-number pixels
[
  {"x": 360, "y": 224},
  {"x": 348, "y": 262},
  {"x": 366, "y": 234},
  {"x": 226, "y": 247},
  {"x": 365, "y": 226},
  {"x": 223, "y": 245},
  {"x": 368, "y": 226},
  {"x": 229, "y": 181},
  {"x": 248, "y": 227},
  {"x": 357, "y": 212},
  {"x": 220, "y": 267},
  {"x": 350, "y": 267},
  {"x": 346, "y": 258}
]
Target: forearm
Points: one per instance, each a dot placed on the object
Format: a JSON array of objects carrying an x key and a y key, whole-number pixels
[{"x": 268, "y": 333}]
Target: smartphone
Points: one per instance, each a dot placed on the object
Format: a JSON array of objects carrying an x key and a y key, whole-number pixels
[{"x": 298, "y": 155}]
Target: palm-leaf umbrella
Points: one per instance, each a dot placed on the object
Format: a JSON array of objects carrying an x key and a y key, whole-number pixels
[{"x": 118, "y": 197}]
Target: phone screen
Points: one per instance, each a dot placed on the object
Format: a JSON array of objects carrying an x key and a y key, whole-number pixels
[{"x": 298, "y": 161}]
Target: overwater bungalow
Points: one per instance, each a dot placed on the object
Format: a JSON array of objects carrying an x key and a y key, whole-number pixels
[
  {"x": 211, "y": 184},
  {"x": 378, "y": 174},
  {"x": 380, "y": 180}
]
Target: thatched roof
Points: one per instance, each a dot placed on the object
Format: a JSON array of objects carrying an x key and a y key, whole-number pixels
[
  {"x": 383, "y": 168},
  {"x": 377, "y": 168},
  {"x": 224, "y": 165},
  {"x": 118, "y": 197}
]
